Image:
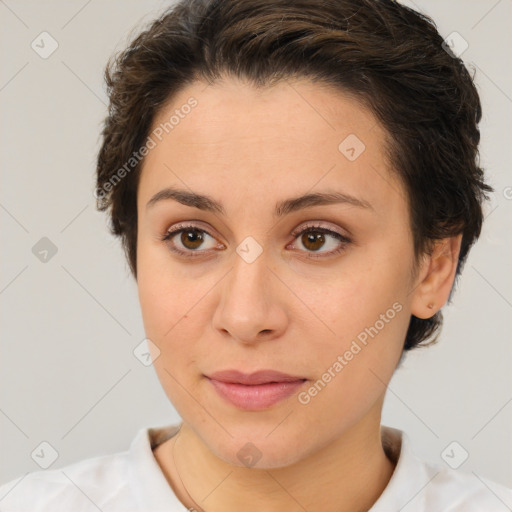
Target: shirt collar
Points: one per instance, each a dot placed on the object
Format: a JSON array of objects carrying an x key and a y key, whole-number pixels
[
  {"x": 410, "y": 477},
  {"x": 151, "y": 489}
]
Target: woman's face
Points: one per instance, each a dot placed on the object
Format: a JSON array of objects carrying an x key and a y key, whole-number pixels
[{"x": 316, "y": 290}]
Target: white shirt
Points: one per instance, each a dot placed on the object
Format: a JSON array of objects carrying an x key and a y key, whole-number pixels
[{"x": 133, "y": 481}]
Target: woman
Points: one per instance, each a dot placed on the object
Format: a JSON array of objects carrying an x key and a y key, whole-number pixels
[{"x": 296, "y": 188}]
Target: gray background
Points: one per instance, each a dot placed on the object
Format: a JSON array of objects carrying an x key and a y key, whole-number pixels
[{"x": 70, "y": 325}]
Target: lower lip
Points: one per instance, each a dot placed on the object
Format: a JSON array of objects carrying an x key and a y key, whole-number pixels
[{"x": 258, "y": 397}]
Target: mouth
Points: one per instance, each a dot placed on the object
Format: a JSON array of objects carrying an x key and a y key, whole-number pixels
[{"x": 256, "y": 391}]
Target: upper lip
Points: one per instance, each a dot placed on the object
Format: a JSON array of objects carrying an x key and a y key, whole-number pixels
[{"x": 255, "y": 378}]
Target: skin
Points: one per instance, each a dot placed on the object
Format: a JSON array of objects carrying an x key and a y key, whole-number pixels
[{"x": 249, "y": 149}]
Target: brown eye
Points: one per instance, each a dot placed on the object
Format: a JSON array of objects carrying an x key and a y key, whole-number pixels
[
  {"x": 190, "y": 241},
  {"x": 191, "y": 238},
  {"x": 316, "y": 238},
  {"x": 312, "y": 240}
]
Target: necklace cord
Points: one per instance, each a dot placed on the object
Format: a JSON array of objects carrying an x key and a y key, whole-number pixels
[{"x": 177, "y": 471}]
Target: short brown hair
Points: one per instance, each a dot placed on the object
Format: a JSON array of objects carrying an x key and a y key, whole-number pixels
[{"x": 386, "y": 55}]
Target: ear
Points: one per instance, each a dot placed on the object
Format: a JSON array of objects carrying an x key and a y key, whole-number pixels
[{"x": 435, "y": 277}]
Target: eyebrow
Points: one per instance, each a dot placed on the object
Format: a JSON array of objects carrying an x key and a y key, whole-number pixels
[{"x": 282, "y": 208}]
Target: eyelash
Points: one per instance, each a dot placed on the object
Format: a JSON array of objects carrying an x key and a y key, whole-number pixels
[{"x": 311, "y": 227}]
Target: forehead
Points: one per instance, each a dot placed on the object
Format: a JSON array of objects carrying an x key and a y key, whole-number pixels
[
  {"x": 229, "y": 111},
  {"x": 294, "y": 137}
]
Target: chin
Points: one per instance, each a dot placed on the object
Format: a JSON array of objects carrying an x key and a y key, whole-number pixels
[{"x": 258, "y": 451}]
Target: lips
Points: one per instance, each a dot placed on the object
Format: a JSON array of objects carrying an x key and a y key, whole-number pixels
[
  {"x": 253, "y": 379},
  {"x": 256, "y": 391}
]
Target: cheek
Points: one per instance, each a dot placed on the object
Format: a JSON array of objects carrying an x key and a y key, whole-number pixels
[
  {"x": 162, "y": 292},
  {"x": 368, "y": 314},
  {"x": 367, "y": 293},
  {"x": 167, "y": 309},
  {"x": 175, "y": 310},
  {"x": 171, "y": 322},
  {"x": 353, "y": 370}
]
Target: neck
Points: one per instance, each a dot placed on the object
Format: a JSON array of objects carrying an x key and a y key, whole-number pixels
[{"x": 348, "y": 474}]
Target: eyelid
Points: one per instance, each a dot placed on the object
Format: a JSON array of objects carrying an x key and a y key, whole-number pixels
[
  {"x": 184, "y": 226},
  {"x": 191, "y": 224},
  {"x": 318, "y": 225}
]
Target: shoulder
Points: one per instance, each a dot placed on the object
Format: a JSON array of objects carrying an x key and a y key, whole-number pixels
[
  {"x": 459, "y": 491},
  {"x": 420, "y": 486},
  {"x": 91, "y": 484}
]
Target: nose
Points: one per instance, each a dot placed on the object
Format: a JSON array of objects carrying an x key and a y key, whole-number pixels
[{"x": 251, "y": 305}]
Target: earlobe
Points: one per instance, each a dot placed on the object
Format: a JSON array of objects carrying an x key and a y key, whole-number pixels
[{"x": 435, "y": 279}]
